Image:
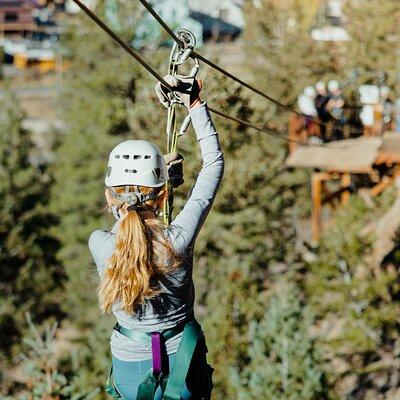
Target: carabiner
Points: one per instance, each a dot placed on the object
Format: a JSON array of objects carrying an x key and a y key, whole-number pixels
[{"x": 180, "y": 53}]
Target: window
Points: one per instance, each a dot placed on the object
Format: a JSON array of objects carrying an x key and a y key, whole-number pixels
[{"x": 10, "y": 17}]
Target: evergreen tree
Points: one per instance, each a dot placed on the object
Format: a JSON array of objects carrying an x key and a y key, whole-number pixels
[
  {"x": 281, "y": 54},
  {"x": 248, "y": 240},
  {"x": 357, "y": 306},
  {"x": 49, "y": 373},
  {"x": 283, "y": 360},
  {"x": 32, "y": 276},
  {"x": 375, "y": 43}
]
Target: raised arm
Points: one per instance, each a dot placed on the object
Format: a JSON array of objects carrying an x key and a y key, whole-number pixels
[{"x": 186, "y": 226}]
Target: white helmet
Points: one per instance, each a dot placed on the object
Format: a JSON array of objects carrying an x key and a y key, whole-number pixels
[
  {"x": 136, "y": 162},
  {"x": 309, "y": 91},
  {"x": 333, "y": 85}
]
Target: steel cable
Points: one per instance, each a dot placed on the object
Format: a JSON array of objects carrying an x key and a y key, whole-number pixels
[
  {"x": 153, "y": 72},
  {"x": 194, "y": 54}
]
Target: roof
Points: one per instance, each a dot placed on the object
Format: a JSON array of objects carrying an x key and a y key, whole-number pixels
[
  {"x": 232, "y": 13},
  {"x": 18, "y": 3},
  {"x": 350, "y": 155}
]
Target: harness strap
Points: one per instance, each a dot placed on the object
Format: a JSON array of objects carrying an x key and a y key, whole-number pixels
[
  {"x": 110, "y": 385},
  {"x": 187, "y": 345},
  {"x": 148, "y": 387},
  {"x": 145, "y": 337},
  {"x": 156, "y": 352},
  {"x": 172, "y": 384}
]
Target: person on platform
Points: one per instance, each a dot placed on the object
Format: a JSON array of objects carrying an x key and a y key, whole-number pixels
[
  {"x": 306, "y": 104},
  {"x": 335, "y": 107},
  {"x": 321, "y": 100}
]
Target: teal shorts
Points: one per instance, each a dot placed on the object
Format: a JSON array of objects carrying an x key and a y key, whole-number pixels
[{"x": 128, "y": 375}]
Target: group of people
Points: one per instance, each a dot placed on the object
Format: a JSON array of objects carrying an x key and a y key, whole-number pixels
[
  {"x": 324, "y": 117},
  {"x": 322, "y": 104}
]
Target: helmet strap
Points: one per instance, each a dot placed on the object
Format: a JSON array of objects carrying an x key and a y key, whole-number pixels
[{"x": 133, "y": 199}]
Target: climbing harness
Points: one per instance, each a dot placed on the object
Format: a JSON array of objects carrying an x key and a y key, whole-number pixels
[
  {"x": 179, "y": 55},
  {"x": 173, "y": 382}
]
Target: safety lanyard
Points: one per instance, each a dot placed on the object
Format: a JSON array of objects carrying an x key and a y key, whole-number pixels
[{"x": 179, "y": 55}]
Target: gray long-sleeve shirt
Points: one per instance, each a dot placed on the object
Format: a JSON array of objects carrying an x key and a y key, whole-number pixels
[{"x": 175, "y": 302}]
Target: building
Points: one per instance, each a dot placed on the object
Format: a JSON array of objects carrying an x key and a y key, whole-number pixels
[
  {"x": 216, "y": 20},
  {"x": 31, "y": 53},
  {"x": 16, "y": 16},
  {"x": 331, "y": 27},
  {"x": 222, "y": 20},
  {"x": 175, "y": 13}
]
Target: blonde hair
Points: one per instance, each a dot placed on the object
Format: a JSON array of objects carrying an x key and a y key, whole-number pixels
[{"x": 142, "y": 256}]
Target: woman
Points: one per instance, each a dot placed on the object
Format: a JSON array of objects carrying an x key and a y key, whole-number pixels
[{"x": 158, "y": 349}]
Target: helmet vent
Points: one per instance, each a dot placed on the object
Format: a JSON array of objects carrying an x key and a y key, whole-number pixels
[
  {"x": 131, "y": 171},
  {"x": 109, "y": 169},
  {"x": 157, "y": 172},
  {"x": 126, "y": 156},
  {"x": 146, "y": 157},
  {"x": 117, "y": 156},
  {"x": 137, "y": 156}
]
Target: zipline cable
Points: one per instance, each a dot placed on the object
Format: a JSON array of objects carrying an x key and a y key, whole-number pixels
[
  {"x": 194, "y": 54},
  {"x": 124, "y": 45},
  {"x": 223, "y": 71},
  {"x": 153, "y": 72}
]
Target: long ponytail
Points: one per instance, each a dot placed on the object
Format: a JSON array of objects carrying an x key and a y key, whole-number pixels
[{"x": 142, "y": 255}]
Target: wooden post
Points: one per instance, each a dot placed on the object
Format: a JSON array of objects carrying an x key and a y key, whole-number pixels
[
  {"x": 316, "y": 217},
  {"x": 295, "y": 126},
  {"x": 345, "y": 182}
]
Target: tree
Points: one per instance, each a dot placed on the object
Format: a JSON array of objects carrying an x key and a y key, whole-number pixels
[
  {"x": 32, "y": 276},
  {"x": 375, "y": 44},
  {"x": 356, "y": 304},
  {"x": 282, "y": 56},
  {"x": 284, "y": 363}
]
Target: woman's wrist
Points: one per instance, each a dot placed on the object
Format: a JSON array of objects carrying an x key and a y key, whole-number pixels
[{"x": 196, "y": 104}]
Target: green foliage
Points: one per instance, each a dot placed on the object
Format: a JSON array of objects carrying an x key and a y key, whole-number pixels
[
  {"x": 375, "y": 47},
  {"x": 31, "y": 276},
  {"x": 43, "y": 375},
  {"x": 283, "y": 361},
  {"x": 248, "y": 239},
  {"x": 282, "y": 56},
  {"x": 355, "y": 301}
]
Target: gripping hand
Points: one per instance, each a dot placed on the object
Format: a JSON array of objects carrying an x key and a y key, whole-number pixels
[
  {"x": 185, "y": 90},
  {"x": 174, "y": 163}
]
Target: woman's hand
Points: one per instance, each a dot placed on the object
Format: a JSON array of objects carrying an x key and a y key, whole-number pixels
[
  {"x": 174, "y": 163},
  {"x": 186, "y": 90}
]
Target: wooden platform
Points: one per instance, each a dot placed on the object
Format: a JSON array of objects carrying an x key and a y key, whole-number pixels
[
  {"x": 340, "y": 161},
  {"x": 350, "y": 155}
]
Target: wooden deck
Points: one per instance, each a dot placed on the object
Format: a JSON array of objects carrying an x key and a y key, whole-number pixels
[{"x": 376, "y": 157}]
